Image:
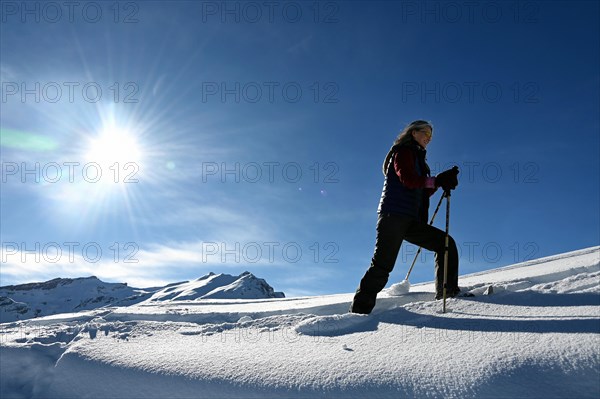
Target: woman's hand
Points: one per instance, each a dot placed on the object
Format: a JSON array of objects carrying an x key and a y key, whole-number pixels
[{"x": 448, "y": 179}]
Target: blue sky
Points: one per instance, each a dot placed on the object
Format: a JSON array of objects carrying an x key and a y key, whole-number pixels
[{"x": 249, "y": 135}]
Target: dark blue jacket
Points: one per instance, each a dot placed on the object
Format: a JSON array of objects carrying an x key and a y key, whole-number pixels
[{"x": 408, "y": 185}]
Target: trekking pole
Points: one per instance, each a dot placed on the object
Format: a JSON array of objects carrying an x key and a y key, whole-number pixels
[
  {"x": 447, "y": 195},
  {"x": 430, "y": 223}
]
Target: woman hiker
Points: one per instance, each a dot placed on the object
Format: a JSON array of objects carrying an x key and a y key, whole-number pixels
[{"x": 403, "y": 213}]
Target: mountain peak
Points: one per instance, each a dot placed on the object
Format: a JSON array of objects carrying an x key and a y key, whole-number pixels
[{"x": 218, "y": 286}]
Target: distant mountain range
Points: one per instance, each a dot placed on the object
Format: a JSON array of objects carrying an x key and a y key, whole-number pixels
[{"x": 66, "y": 295}]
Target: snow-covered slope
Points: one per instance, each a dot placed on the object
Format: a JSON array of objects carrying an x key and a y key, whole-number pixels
[
  {"x": 64, "y": 295},
  {"x": 537, "y": 335}
]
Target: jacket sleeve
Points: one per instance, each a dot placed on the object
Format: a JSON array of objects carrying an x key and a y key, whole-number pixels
[
  {"x": 404, "y": 165},
  {"x": 430, "y": 191}
]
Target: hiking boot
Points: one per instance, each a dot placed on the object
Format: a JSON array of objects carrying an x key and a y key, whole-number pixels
[
  {"x": 363, "y": 304},
  {"x": 451, "y": 293}
]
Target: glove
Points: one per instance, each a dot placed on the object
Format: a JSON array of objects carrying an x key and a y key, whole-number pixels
[{"x": 448, "y": 179}]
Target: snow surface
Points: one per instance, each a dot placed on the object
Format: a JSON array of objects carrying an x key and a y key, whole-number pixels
[{"x": 537, "y": 335}]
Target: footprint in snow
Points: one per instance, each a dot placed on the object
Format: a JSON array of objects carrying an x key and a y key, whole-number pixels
[{"x": 334, "y": 325}]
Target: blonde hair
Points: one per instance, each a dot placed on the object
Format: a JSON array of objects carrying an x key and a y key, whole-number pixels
[{"x": 404, "y": 137}]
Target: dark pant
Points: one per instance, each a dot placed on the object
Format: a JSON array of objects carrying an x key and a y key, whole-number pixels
[{"x": 392, "y": 229}]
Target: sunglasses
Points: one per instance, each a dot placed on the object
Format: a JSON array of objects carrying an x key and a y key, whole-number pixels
[{"x": 426, "y": 133}]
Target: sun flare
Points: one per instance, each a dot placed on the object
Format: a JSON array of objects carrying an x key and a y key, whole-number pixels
[{"x": 114, "y": 145}]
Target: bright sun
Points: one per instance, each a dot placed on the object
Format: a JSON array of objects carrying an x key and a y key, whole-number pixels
[
  {"x": 114, "y": 145},
  {"x": 111, "y": 161}
]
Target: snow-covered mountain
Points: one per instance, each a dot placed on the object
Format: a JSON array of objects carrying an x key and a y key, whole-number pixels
[
  {"x": 532, "y": 330},
  {"x": 218, "y": 286},
  {"x": 65, "y": 295},
  {"x": 62, "y": 295}
]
